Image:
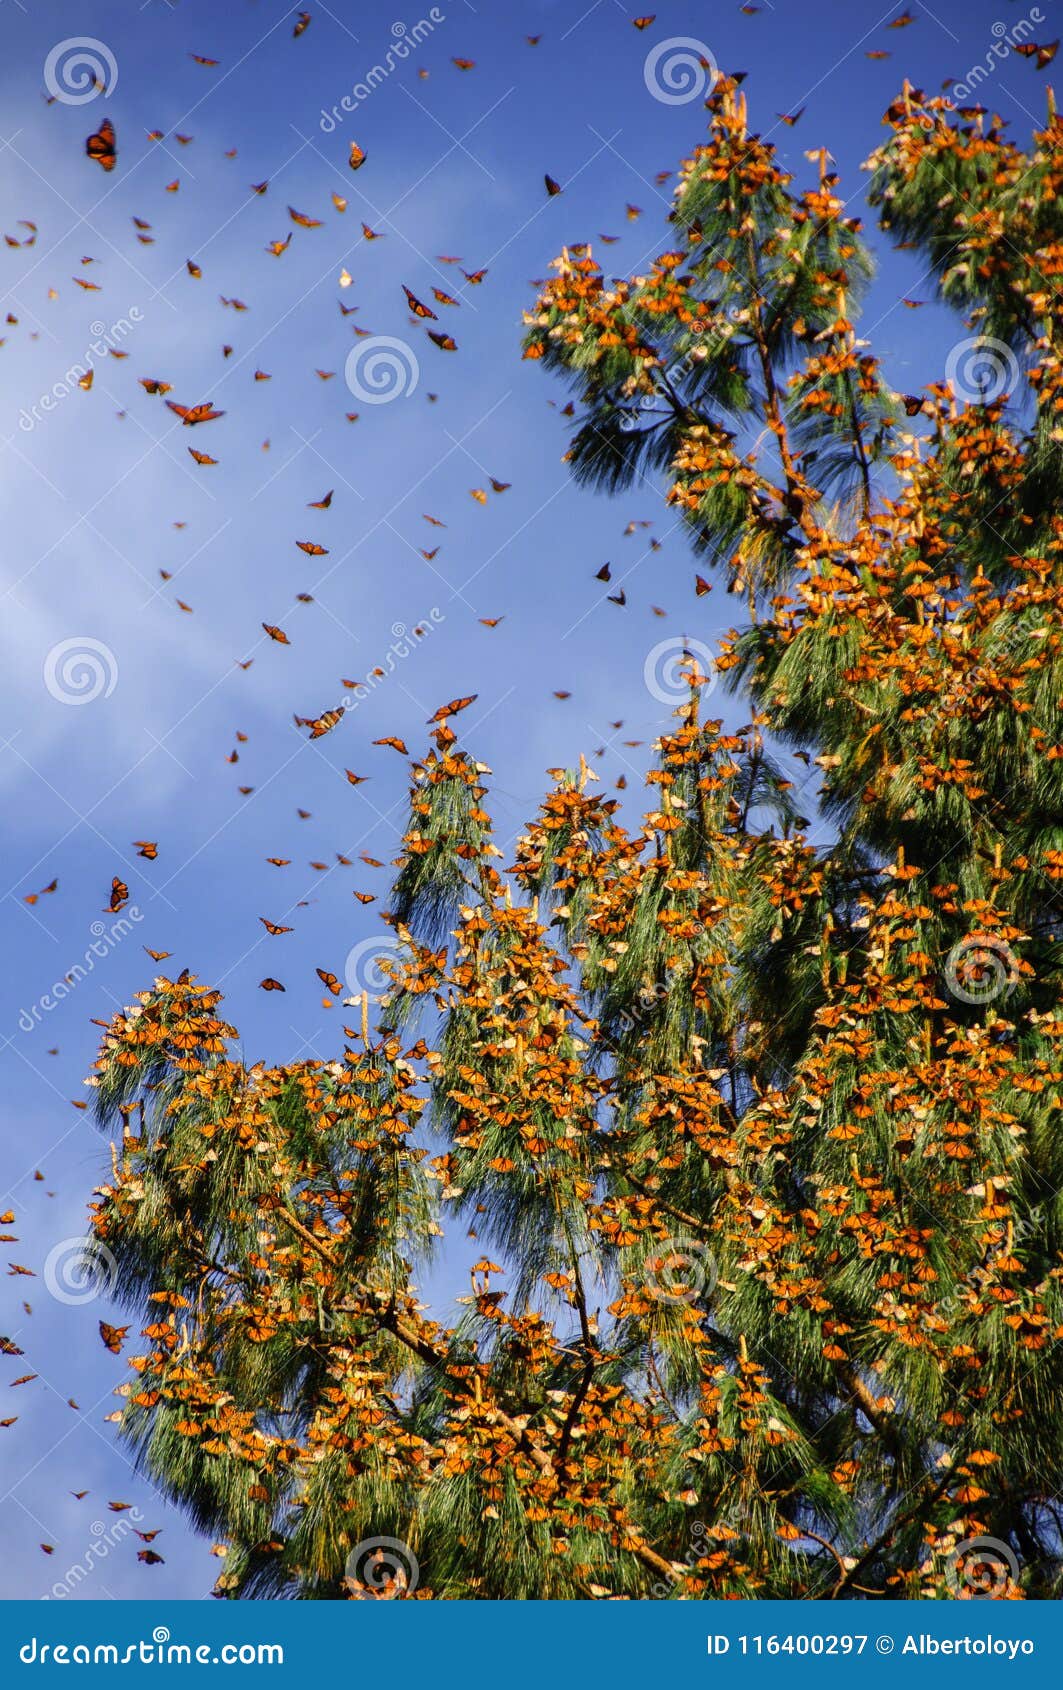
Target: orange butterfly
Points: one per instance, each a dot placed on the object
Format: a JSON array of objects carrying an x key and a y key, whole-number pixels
[
  {"x": 277, "y": 634},
  {"x": 202, "y": 457},
  {"x": 101, "y": 146},
  {"x": 146, "y": 848},
  {"x": 445, "y": 342},
  {"x": 335, "y": 986},
  {"x": 303, "y": 220},
  {"x": 190, "y": 415},
  {"x": 418, "y": 308},
  {"x": 453, "y": 707},
  {"x": 272, "y": 927},
  {"x": 311, "y": 548},
  {"x": 119, "y": 894},
  {"x": 112, "y": 1337},
  {"x": 271, "y": 985},
  {"x": 357, "y": 158}
]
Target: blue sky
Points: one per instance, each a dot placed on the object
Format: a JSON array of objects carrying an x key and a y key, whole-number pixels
[{"x": 455, "y": 166}]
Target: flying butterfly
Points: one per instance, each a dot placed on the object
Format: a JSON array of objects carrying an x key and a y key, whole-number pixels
[
  {"x": 417, "y": 306},
  {"x": 101, "y": 146}
]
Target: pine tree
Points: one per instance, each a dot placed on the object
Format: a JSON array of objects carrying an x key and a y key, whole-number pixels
[{"x": 754, "y": 1116}]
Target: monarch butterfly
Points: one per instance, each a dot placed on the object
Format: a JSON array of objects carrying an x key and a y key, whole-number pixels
[
  {"x": 474, "y": 277},
  {"x": 279, "y": 862},
  {"x": 200, "y": 60},
  {"x": 335, "y": 986},
  {"x": 355, "y": 780},
  {"x": 158, "y": 956},
  {"x": 398, "y": 745},
  {"x": 302, "y": 23},
  {"x": 464, "y": 64},
  {"x": 644, "y": 23},
  {"x": 357, "y": 157},
  {"x": 913, "y": 404},
  {"x": 443, "y": 298},
  {"x": 311, "y": 548},
  {"x": 445, "y": 342},
  {"x": 190, "y": 415},
  {"x": 303, "y": 220},
  {"x": 271, "y": 985},
  {"x": 119, "y": 894},
  {"x": 277, "y": 634},
  {"x": 146, "y": 848},
  {"x": 112, "y": 1337},
  {"x": 202, "y": 457},
  {"x": 552, "y": 187},
  {"x": 418, "y": 308},
  {"x": 101, "y": 146},
  {"x": 273, "y": 928},
  {"x": 321, "y": 504},
  {"x": 453, "y": 707}
]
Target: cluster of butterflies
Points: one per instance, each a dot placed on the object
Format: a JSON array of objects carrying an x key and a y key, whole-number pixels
[{"x": 429, "y": 306}]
